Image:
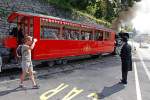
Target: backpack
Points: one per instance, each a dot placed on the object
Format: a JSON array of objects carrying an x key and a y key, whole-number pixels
[{"x": 19, "y": 51}]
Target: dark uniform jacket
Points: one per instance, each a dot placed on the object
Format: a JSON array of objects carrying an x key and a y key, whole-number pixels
[{"x": 126, "y": 57}]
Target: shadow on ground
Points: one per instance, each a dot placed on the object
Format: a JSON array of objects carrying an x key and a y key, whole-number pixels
[
  {"x": 108, "y": 91},
  {"x": 17, "y": 89}
]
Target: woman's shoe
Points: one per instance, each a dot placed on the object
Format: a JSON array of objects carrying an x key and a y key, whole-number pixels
[{"x": 36, "y": 87}]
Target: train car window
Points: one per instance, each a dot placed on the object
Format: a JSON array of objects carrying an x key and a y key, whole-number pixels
[
  {"x": 86, "y": 35},
  {"x": 91, "y": 36},
  {"x": 100, "y": 38},
  {"x": 49, "y": 33},
  {"x": 68, "y": 35},
  {"x": 31, "y": 27},
  {"x": 28, "y": 29},
  {"x": 25, "y": 27},
  {"x": 71, "y": 34},
  {"x": 96, "y": 36},
  {"x": 65, "y": 35},
  {"x": 82, "y": 36},
  {"x": 77, "y": 33},
  {"x": 106, "y": 36}
]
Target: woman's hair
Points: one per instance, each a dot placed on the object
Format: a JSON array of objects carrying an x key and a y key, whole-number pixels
[{"x": 27, "y": 38}]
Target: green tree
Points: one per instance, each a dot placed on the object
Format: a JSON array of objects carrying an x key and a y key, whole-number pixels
[
  {"x": 101, "y": 9},
  {"x": 81, "y": 4},
  {"x": 105, "y": 10},
  {"x": 110, "y": 13},
  {"x": 91, "y": 9}
]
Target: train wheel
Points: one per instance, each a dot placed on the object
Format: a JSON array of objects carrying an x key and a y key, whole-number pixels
[
  {"x": 95, "y": 56},
  {"x": 51, "y": 63},
  {"x": 64, "y": 61},
  {"x": 58, "y": 62}
]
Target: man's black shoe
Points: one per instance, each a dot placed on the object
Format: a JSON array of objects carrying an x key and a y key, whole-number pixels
[{"x": 123, "y": 82}]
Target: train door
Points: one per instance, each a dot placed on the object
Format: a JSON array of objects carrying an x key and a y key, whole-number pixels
[
  {"x": 26, "y": 24},
  {"x": 23, "y": 25}
]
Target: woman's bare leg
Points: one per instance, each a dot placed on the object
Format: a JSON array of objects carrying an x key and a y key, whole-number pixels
[
  {"x": 32, "y": 77},
  {"x": 22, "y": 76}
]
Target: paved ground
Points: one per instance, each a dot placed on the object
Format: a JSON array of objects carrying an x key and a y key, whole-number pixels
[{"x": 84, "y": 80}]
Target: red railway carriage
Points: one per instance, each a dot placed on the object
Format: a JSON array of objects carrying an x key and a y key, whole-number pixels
[{"x": 61, "y": 38}]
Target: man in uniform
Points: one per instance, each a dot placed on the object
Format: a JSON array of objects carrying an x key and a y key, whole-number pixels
[{"x": 126, "y": 59}]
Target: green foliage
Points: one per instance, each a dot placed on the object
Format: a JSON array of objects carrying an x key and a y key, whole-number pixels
[
  {"x": 61, "y": 3},
  {"x": 82, "y": 4},
  {"x": 105, "y": 10},
  {"x": 102, "y": 9},
  {"x": 99, "y": 21},
  {"x": 91, "y": 9},
  {"x": 110, "y": 13}
]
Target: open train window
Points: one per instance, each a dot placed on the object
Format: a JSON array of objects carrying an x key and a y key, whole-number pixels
[
  {"x": 66, "y": 35},
  {"x": 91, "y": 36},
  {"x": 69, "y": 34},
  {"x": 98, "y": 36},
  {"x": 106, "y": 36},
  {"x": 48, "y": 31},
  {"x": 86, "y": 35},
  {"x": 74, "y": 35},
  {"x": 77, "y": 35},
  {"x": 82, "y": 36}
]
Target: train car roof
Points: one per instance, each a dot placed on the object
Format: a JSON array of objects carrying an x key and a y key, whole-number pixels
[{"x": 14, "y": 15}]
